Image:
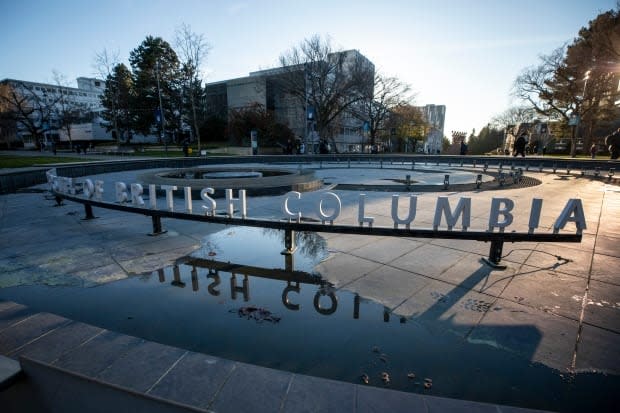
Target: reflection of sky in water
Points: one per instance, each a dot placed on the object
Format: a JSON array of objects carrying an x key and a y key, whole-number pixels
[{"x": 261, "y": 247}]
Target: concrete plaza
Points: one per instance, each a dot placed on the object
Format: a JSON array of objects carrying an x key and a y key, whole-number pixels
[{"x": 556, "y": 304}]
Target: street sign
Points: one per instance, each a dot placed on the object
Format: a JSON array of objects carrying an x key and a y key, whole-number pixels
[{"x": 574, "y": 120}]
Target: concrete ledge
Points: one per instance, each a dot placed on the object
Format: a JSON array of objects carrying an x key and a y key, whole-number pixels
[
  {"x": 74, "y": 367},
  {"x": 62, "y": 390},
  {"x": 9, "y": 371}
]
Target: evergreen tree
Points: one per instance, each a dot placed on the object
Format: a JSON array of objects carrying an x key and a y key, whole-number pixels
[
  {"x": 156, "y": 77},
  {"x": 116, "y": 99}
]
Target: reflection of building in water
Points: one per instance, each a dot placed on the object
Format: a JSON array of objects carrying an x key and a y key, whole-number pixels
[{"x": 325, "y": 300}]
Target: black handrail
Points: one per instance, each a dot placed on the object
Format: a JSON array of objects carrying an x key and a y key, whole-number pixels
[{"x": 497, "y": 239}]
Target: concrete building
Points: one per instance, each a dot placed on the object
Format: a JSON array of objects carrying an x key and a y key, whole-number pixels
[
  {"x": 53, "y": 99},
  {"x": 265, "y": 87},
  {"x": 436, "y": 118}
]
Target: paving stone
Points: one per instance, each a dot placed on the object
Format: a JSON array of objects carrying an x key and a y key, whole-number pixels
[
  {"x": 14, "y": 314},
  {"x": 337, "y": 268},
  {"x": 194, "y": 380},
  {"x": 141, "y": 366},
  {"x": 251, "y": 386},
  {"x": 562, "y": 294},
  {"x": 429, "y": 260},
  {"x": 536, "y": 335},
  {"x": 386, "y": 249},
  {"x": 587, "y": 243},
  {"x": 149, "y": 263},
  {"x": 347, "y": 243},
  {"x": 605, "y": 268},
  {"x": 473, "y": 273},
  {"x": 561, "y": 259},
  {"x": 608, "y": 245},
  {"x": 443, "y": 306},
  {"x": 311, "y": 394},
  {"x": 100, "y": 274},
  {"x": 5, "y": 305},
  {"x": 81, "y": 258},
  {"x": 388, "y": 286},
  {"x": 95, "y": 355},
  {"x": 58, "y": 342},
  {"x": 598, "y": 350},
  {"x": 473, "y": 247},
  {"x": 373, "y": 399},
  {"x": 603, "y": 306},
  {"x": 28, "y": 330}
]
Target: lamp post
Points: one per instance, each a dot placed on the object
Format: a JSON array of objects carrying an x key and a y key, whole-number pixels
[
  {"x": 585, "y": 84},
  {"x": 575, "y": 119},
  {"x": 162, "y": 133}
]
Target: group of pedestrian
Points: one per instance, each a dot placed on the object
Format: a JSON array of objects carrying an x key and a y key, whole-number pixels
[
  {"x": 612, "y": 141},
  {"x": 613, "y": 145},
  {"x": 294, "y": 148}
]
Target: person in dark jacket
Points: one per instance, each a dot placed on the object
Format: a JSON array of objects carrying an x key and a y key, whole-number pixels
[
  {"x": 613, "y": 143},
  {"x": 520, "y": 146}
]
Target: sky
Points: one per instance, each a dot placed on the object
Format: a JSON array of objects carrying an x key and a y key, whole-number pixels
[{"x": 464, "y": 54}]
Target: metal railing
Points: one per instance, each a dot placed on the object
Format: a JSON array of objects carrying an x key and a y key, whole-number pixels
[{"x": 497, "y": 239}]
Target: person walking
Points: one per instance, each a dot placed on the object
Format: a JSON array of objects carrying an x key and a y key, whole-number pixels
[
  {"x": 463, "y": 150},
  {"x": 593, "y": 150},
  {"x": 519, "y": 148},
  {"x": 613, "y": 144}
]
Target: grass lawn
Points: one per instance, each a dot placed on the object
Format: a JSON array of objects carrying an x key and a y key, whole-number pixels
[{"x": 25, "y": 161}]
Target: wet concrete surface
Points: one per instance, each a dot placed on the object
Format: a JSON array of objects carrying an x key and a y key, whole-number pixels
[{"x": 556, "y": 305}]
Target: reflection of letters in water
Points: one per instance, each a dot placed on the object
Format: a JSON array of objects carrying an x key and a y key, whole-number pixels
[{"x": 325, "y": 301}]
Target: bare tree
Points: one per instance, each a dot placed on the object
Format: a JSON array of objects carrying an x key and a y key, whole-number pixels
[
  {"x": 552, "y": 89},
  {"x": 104, "y": 65},
  {"x": 192, "y": 51},
  {"x": 325, "y": 82},
  {"x": 105, "y": 62},
  {"x": 28, "y": 109},
  {"x": 67, "y": 111},
  {"x": 512, "y": 116},
  {"x": 388, "y": 93},
  {"x": 8, "y": 126}
]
